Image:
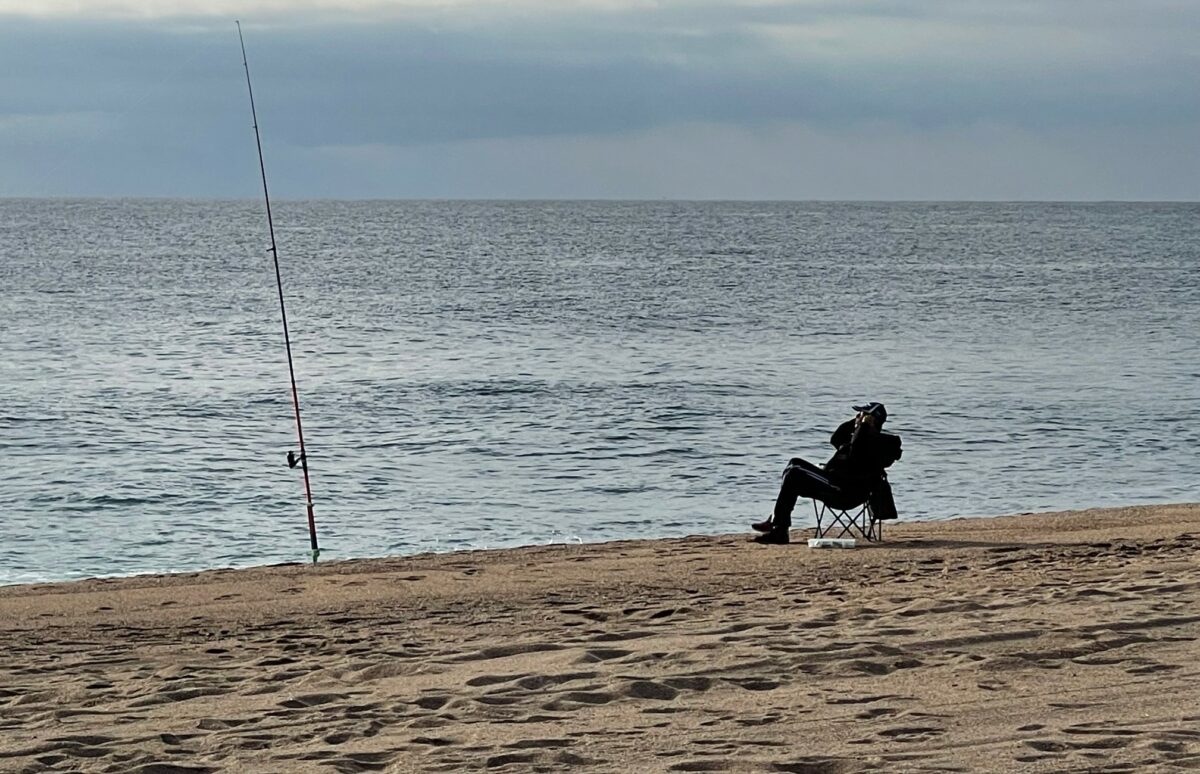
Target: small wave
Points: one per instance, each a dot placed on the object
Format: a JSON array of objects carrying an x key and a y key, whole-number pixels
[
  {"x": 118, "y": 501},
  {"x": 619, "y": 490},
  {"x": 671, "y": 451}
]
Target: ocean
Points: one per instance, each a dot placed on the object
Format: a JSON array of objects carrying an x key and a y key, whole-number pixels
[{"x": 478, "y": 374}]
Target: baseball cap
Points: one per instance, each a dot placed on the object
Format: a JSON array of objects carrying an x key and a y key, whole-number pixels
[{"x": 873, "y": 408}]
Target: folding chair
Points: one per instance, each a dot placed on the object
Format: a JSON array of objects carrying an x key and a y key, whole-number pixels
[
  {"x": 853, "y": 519},
  {"x": 857, "y": 513}
]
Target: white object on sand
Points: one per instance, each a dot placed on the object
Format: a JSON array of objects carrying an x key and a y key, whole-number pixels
[{"x": 831, "y": 543}]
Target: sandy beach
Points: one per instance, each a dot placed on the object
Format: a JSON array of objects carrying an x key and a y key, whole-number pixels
[{"x": 1051, "y": 642}]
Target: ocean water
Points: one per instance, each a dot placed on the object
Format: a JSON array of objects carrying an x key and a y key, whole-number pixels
[{"x": 485, "y": 374}]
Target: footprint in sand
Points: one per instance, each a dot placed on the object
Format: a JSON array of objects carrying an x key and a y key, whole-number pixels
[
  {"x": 589, "y": 613},
  {"x": 528, "y": 744},
  {"x": 278, "y": 661},
  {"x": 166, "y": 697},
  {"x": 690, "y": 683},
  {"x": 362, "y": 761},
  {"x": 538, "y": 682},
  {"x": 220, "y": 724},
  {"x": 575, "y": 699},
  {"x": 876, "y": 712},
  {"x": 861, "y": 699},
  {"x": 604, "y": 654},
  {"x": 493, "y": 679},
  {"x": 430, "y": 722},
  {"x": 1149, "y": 669},
  {"x": 432, "y": 702},
  {"x": 819, "y": 765},
  {"x": 508, "y": 759},
  {"x": 1047, "y": 745},
  {"x": 619, "y": 636},
  {"x": 504, "y": 651},
  {"x": 648, "y": 689},
  {"x": 765, "y": 720},
  {"x": 700, "y": 765},
  {"x": 312, "y": 700},
  {"x": 755, "y": 684},
  {"x": 911, "y": 733}
]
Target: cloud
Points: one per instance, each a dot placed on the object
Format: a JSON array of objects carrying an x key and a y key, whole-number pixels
[
  {"x": 306, "y": 9},
  {"x": 154, "y": 94}
]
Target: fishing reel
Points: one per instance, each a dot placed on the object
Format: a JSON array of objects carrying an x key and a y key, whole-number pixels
[{"x": 295, "y": 459}]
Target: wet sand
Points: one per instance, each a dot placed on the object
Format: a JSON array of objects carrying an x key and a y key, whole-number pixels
[{"x": 1055, "y": 642}]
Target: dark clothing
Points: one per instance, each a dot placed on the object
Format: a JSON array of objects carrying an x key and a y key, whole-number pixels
[
  {"x": 859, "y": 458},
  {"x": 801, "y": 478},
  {"x": 844, "y": 482}
]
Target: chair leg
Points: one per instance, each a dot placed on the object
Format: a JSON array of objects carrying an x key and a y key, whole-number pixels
[
  {"x": 827, "y": 519},
  {"x": 861, "y": 522},
  {"x": 845, "y": 521}
]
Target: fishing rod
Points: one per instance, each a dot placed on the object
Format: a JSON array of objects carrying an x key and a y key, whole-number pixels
[{"x": 292, "y": 459}]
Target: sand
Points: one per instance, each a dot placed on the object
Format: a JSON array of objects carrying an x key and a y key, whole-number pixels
[{"x": 1054, "y": 642}]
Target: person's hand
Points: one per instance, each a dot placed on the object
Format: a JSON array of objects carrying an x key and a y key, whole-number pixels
[{"x": 867, "y": 419}]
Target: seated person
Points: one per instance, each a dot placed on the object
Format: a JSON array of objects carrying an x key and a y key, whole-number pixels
[{"x": 844, "y": 481}]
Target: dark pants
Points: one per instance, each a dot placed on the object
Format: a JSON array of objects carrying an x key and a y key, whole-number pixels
[{"x": 801, "y": 478}]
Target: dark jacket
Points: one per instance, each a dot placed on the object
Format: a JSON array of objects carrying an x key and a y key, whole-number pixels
[{"x": 859, "y": 459}]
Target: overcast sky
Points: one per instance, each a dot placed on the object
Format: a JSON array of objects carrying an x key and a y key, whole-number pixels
[{"x": 758, "y": 99}]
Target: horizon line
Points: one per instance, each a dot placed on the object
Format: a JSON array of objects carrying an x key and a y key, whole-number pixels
[{"x": 582, "y": 199}]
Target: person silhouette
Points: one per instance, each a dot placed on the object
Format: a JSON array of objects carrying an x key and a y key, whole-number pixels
[{"x": 848, "y": 476}]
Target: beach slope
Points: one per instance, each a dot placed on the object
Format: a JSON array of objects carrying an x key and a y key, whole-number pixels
[{"x": 1051, "y": 642}]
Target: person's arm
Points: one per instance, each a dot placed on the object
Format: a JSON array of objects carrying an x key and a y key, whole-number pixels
[
  {"x": 843, "y": 434},
  {"x": 862, "y": 440}
]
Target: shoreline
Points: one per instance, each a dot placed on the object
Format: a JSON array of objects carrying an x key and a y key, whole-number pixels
[
  {"x": 1043, "y": 642},
  {"x": 801, "y": 527}
]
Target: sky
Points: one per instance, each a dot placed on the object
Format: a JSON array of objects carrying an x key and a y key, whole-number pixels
[{"x": 631, "y": 99}]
